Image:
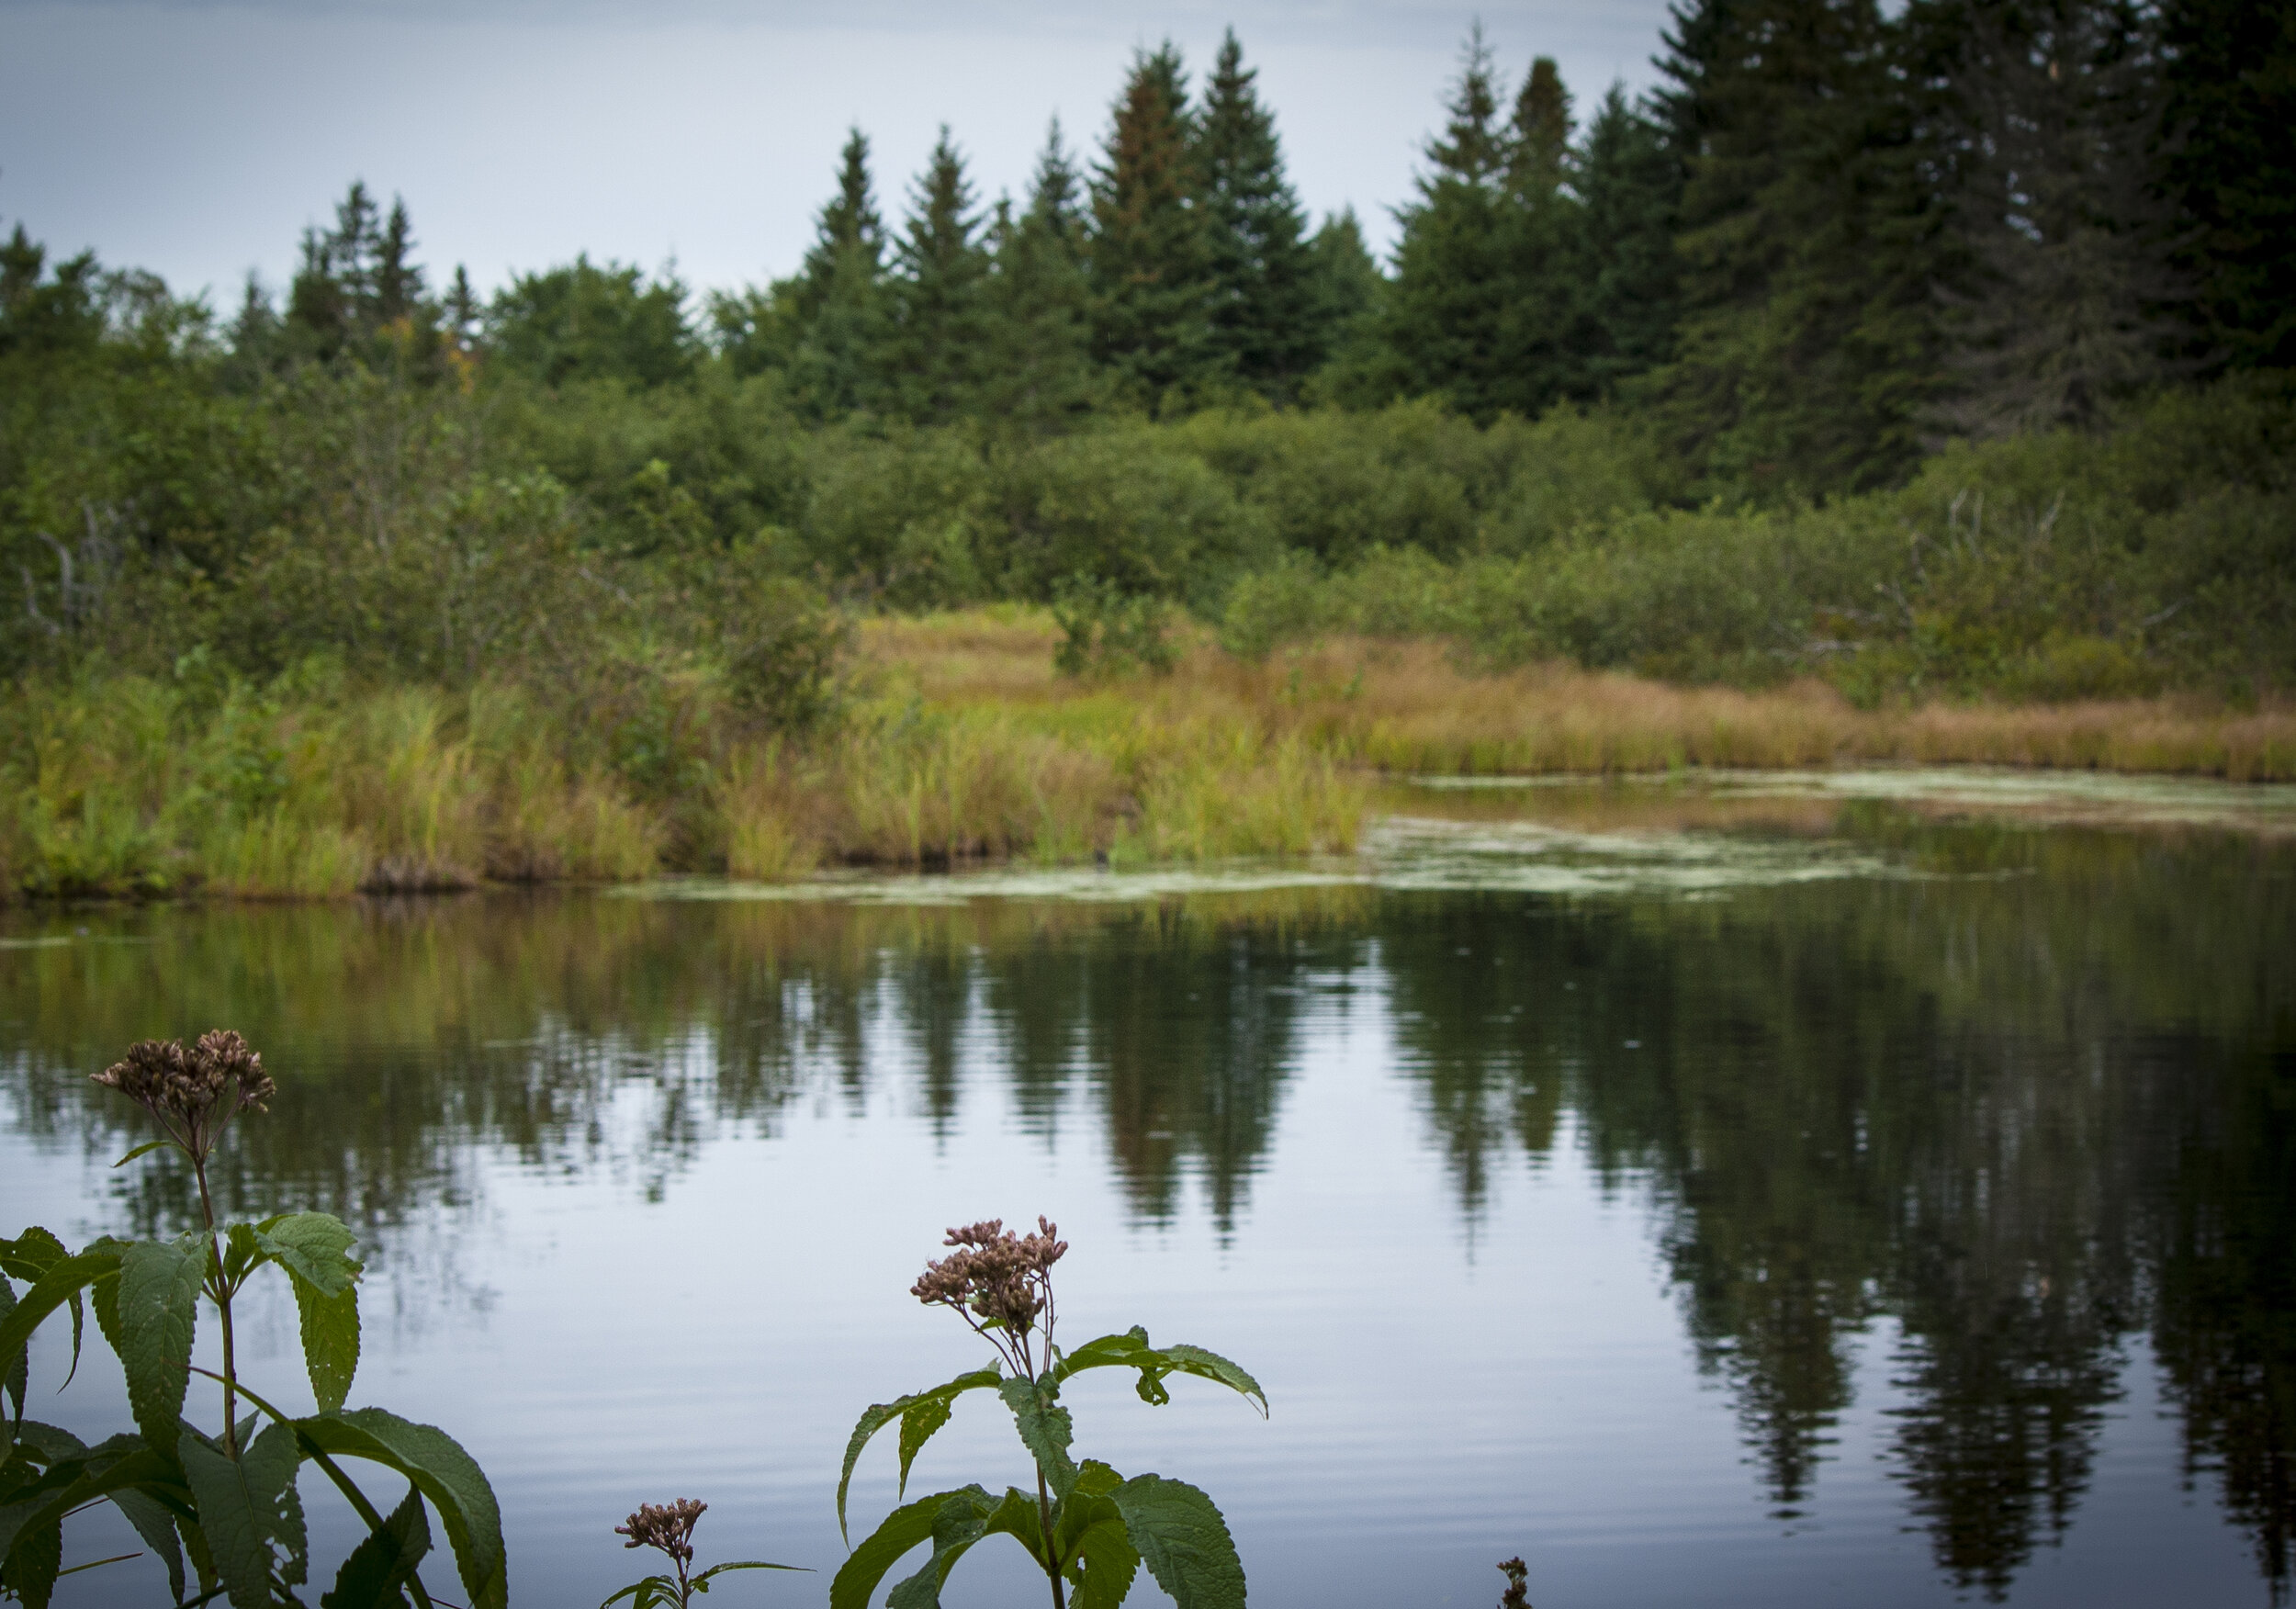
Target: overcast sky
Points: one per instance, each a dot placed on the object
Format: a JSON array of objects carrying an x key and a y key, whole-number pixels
[{"x": 199, "y": 139}]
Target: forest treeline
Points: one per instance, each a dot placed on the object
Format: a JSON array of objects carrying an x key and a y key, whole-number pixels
[{"x": 1943, "y": 351}]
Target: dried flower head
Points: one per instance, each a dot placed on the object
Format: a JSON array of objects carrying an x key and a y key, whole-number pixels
[
  {"x": 1001, "y": 1279},
  {"x": 666, "y": 1526},
  {"x": 193, "y": 1093},
  {"x": 1517, "y": 1595}
]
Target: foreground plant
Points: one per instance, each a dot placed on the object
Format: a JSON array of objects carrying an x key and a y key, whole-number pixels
[
  {"x": 226, "y": 1500},
  {"x": 669, "y": 1529},
  {"x": 1089, "y": 1528}
]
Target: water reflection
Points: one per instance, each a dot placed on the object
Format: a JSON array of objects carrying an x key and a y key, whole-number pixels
[{"x": 2032, "y": 1099}]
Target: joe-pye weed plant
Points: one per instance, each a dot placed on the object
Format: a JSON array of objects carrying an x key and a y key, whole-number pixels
[
  {"x": 1089, "y": 1528},
  {"x": 225, "y": 1500}
]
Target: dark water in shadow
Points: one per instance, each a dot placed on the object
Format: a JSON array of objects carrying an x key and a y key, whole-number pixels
[{"x": 1905, "y": 1220}]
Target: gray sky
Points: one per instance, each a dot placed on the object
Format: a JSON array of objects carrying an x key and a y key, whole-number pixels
[{"x": 198, "y": 139}]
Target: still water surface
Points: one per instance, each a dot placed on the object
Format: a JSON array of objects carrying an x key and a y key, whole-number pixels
[{"x": 1755, "y": 1191}]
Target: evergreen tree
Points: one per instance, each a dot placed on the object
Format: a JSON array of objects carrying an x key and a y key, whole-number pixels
[
  {"x": 1630, "y": 185},
  {"x": 2038, "y": 122},
  {"x": 1446, "y": 310},
  {"x": 1546, "y": 339},
  {"x": 398, "y": 279},
  {"x": 458, "y": 311},
  {"x": 934, "y": 346},
  {"x": 1037, "y": 366},
  {"x": 1539, "y": 149},
  {"x": 587, "y": 320},
  {"x": 822, "y": 329},
  {"x": 1150, "y": 253},
  {"x": 1806, "y": 349},
  {"x": 1265, "y": 328},
  {"x": 358, "y": 291},
  {"x": 2231, "y": 116},
  {"x": 1350, "y": 300}
]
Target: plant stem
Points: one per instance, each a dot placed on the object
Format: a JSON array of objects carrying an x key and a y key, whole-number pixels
[
  {"x": 223, "y": 1305},
  {"x": 1052, "y": 1558}
]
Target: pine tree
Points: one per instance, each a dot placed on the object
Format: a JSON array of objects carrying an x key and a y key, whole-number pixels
[
  {"x": 1150, "y": 253},
  {"x": 1265, "y": 329},
  {"x": 1630, "y": 185},
  {"x": 1448, "y": 311},
  {"x": 1807, "y": 346},
  {"x": 933, "y": 347},
  {"x": 1037, "y": 369},
  {"x": 2231, "y": 124}
]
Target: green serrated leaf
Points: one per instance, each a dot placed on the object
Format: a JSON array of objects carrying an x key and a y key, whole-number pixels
[
  {"x": 961, "y": 1520},
  {"x": 1102, "y": 1559},
  {"x": 1210, "y": 1365},
  {"x": 330, "y": 1339},
  {"x": 33, "y": 1563},
  {"x": 17, "y": 1255},
  {"x": 156, "y": 1525},
  {"x": 1132, "y": 1350},
  {"x": 445, "y": 1474},
  {"x": 856, "y": 1579},
  {"x": 918, "y": 1420},
  {"x": 16, "y": 1378},
  {"x": 877, "y": 1416},
  {"x": 385, "y": 1561},
  {"x": 243, "y": 1509},
  {"x": 653, "y": 1592},
  {"x": 1182, "y": 1538},
  {"x": 747, "y": 1564},
  {"x": 154, "y": 1311},
  {"x": 53, "y": 1285},
  {"x": 243, "y": 1254},
  {"x": 143, "y": 1150},
  {"x": 73, "y": 1476},
  {"x": 315, "y": 1245},
  {"x": 1045, "y": 1428}
]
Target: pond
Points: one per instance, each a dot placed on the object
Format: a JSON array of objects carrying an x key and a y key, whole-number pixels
[{"x": 1718, "y": 1190}]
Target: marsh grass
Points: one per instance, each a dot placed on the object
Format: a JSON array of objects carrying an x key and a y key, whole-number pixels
[
  {"x": 1411, "y": 705},
  {"x": 959, "y": 745}
]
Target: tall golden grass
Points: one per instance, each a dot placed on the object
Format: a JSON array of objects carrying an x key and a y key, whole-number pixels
[{"x": 1409, "y": 707}]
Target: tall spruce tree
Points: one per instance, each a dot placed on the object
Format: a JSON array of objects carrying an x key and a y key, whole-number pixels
[
  {"x": 1807, "y": 347},
  {"x": 1265, "y": 329},
  {"x": 1446, "y": 310},
  {"x": 1151, "y": 258},
  {"x": 2038, "y": 122},
  {"x": 2230, "y": 134},
  {"x": 1350, "y": 298},
  {"x": 1547, "y": 341},
  {"x": 1539, "y": 154},
  {"x": 933, "y": 349},
  {"x": 1037, "y": 364},
  {"x": 824, "y": 328},
  {"x": 1630, "y": 185}
]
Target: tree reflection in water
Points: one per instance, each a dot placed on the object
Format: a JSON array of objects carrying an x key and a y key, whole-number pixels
[{"x": 2021, "y": 1116}]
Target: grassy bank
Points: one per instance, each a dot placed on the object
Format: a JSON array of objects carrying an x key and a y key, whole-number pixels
[
  {"x": 138, "y": 786},
  {"x": 1413, "y": 705},
  {"x": 956, "y": 742}
]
